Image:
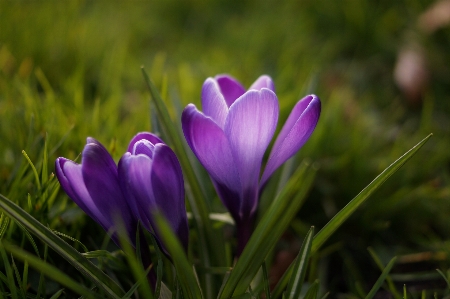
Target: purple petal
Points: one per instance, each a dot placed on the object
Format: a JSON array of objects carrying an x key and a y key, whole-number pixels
[
  {"x": 144, "y": 135},
  {"x": 134, "y": 175},
  {"x": 295, "y": 132},
  {"x": 71, "y": 180},
  {"x": 168, "y": 189},
  {"x": 213, "y": 102},
  {"x": 63, "y": 180},
  {"x": 263, "y": 82},
  {"x": 230, "y": 88},
  {"x": 209, "y": 144},
  {"x": 143, "y": 147},
  {"x": 250, "y": 126},
  {"x": 100, "y": 177}
]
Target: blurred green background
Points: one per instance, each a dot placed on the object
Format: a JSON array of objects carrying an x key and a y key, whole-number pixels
[{"x": 71, "y": 69}]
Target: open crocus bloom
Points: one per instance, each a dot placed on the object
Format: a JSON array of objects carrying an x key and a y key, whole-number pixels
[
  {"x": 232, "y": 134},
  {"x": 148, "y": 180}
]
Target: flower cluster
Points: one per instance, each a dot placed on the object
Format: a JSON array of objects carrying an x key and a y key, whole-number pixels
[
  {"x": 148, "y": 179},
  {"x": 229, "y": 138}
]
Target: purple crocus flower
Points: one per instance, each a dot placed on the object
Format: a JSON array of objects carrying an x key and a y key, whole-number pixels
[
  {"x": 151, "y": 180},
  {"x": 232, "y": 134},
  {"x": 147, "y": 180}
]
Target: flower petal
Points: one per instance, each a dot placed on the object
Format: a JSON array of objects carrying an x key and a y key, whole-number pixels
[
  {"x": 231, "y": 88},
  {"x": 144, "y": 135},
  {"x": 71, "y": 179},
  {"x": 213, "y": 102},
  {"x": 263, "y": 81},
  {"x": 143, "y": 147},
  {"x": 134, "y": 176},
  {"x": 168, "y": 189},
  {"x": 295, "y": 132},
  {"x": 250, "y": 126},
  {"x": 209, "y": 144},
  {"x": 100, "y": 177}
]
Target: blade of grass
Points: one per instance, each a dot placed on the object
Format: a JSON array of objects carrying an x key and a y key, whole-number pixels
[
  {"x": 301, "y": 262},
  {"x": 30, "y": 238},
  {"x": 195, "y": 193},
  {"x": 184, "y": 270},
  {"x": 71, "y": 239},
  {"x": 159, "y": 267},
  {"x": 57, "y": 294},
  {"x": 350, "y": 208},
  {"x": 25, "y": 276},
  {"x": 381, "y": 279},
  {"x": 41, "y": 285},
  {"x": 445, "y": 278},
  {"x": 388, "y": 278},
  {"x": 342, "y": 215},
  {"x": 266, "y": 281},
  {"x": 49, "y": 270},
  {"x": 9, "y": 273},
  {"x": 272, "y": 225},
  {"x": 36, "y": 175},
  {"x": 65, "y": 250},
  {"x": 312, "y": 291},
  {"x": 22, "y": 291},
  {"x": 135, "y": 264},
  {"x": 136, "y": 286},
  {"x": 4, "y": 222},
  {"x": 44, "y": 172}
]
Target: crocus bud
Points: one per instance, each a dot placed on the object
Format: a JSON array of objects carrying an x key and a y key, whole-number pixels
[{"x": 148, "y": 180}]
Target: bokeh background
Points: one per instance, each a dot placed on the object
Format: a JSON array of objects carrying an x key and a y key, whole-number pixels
[{"x": 72, "y": 69}]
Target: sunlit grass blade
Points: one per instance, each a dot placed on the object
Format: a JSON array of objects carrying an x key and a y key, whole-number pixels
[
  {"x": 184, "y": 270},
  {"x": 301, "y": 262},
  {"x": 272, "y": 225},
  {"x": 381, "y": 279},
  {"x": 351, "y": 207},
  {"x": 65, "y": 250},
  {"x": 49, "y": 270}
]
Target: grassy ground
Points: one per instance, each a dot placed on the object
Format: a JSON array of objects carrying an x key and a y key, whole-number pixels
[{"x": 69, "y": 70}]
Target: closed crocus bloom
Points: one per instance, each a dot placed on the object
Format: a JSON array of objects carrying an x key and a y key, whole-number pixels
[
  {"x": 147, "y": 180},
  {"x": 152, "y": 181},
  {"x": 232, "y": 134},
  {"x": 94, "y": 186}
]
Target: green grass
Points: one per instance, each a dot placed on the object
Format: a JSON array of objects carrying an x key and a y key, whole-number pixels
[{"x": 72, "y": 70}]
